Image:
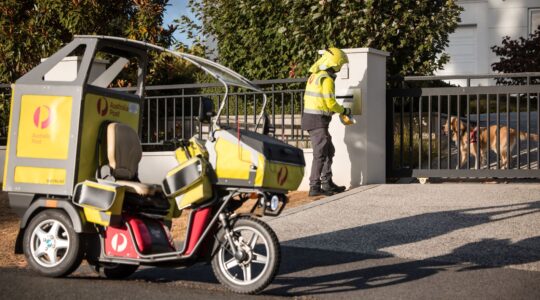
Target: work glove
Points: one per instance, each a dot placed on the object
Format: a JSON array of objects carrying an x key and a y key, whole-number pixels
[{"x": 347, "y": 111}]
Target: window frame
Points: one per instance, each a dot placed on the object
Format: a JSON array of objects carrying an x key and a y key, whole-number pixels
[{"x": 532, "y": 10}]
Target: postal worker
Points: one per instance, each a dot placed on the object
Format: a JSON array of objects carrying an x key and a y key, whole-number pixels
[{"x": 319, "y": 106}]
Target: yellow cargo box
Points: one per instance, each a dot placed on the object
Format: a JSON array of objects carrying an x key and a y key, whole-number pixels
[
  {"x": 252, "y": 160},
  {"x": 195, "y": 147},
  {"x": 54, "y": 120}
]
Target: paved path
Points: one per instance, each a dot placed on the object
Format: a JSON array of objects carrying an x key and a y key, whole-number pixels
[
  {"x": 443, "y": 241},
  {"x": 485, "y": 224}
]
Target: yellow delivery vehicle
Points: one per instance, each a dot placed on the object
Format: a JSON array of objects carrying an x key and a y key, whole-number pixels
[{"x": 71, "y": 172}]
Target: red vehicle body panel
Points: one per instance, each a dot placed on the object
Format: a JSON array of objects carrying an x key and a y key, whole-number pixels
[{"x": 198, "y": 225}]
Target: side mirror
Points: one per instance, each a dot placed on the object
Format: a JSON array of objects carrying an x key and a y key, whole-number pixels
[
  {"x": 206, "y": 110},
  {"x": 267, "y": 127}
]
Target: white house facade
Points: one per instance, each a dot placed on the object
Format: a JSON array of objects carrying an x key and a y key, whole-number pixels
[{"x": 483, "y": 24}]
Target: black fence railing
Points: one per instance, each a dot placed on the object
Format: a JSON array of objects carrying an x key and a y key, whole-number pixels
[
  {"x": 471, "y": 131},
  {"x": 5, "y": 98},
  {"x": 172, "y": 112}
]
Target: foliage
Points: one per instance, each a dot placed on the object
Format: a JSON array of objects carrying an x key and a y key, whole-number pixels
[
  {"x": 278, "y": 39},
  {"x": 406, "y": 155},
  {"x": 168, "y": 69},
  {"x": 519, "y": 55},
  {"x": 32, "y": 29}
]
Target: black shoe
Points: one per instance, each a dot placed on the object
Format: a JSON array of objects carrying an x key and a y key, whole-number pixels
[
  {"x": 317, "y": 191},
  {"x": 332, "y": 187}
]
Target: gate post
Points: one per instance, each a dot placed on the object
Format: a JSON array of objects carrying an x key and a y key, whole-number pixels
[{"x": 361, "y": 148}]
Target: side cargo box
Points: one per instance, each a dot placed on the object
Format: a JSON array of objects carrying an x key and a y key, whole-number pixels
[
  {"x": 189, "y": 183},
  {"x": 101, "y": 201}
]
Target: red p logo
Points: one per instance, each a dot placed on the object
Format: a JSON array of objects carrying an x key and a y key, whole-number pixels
[
  {"x": 42, "y": 117},
  {"x": 102, "y": 107},
  {"x": 282, "y": 175}
]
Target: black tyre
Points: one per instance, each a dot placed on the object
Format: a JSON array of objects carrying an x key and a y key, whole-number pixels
[
  {"x": 118, "y": 271},
  {"x": 260, "y": 262},
  {"x": 50, "y": 244}
]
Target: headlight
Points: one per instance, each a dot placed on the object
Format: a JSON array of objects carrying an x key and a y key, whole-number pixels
[{"x": 274, "y": 202}]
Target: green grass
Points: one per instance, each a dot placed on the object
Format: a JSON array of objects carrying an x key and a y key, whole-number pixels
[{"x": 411, "y": 146}]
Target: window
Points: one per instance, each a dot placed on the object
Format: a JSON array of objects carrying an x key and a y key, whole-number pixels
[
  {"x": 113, "y": 68},
  {"x": 68, "y": 68},
  {"x": 534, "y": 19}
]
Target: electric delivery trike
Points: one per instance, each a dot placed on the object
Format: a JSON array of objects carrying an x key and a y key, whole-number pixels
[{"x": 72, "y": 164}]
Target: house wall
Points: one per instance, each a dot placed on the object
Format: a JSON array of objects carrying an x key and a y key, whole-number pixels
[{"x": 483, "y": 24}]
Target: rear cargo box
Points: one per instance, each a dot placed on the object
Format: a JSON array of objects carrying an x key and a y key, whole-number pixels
[
  {"x": 255, "y": 161},
  {"x": 54, "y": 123}
]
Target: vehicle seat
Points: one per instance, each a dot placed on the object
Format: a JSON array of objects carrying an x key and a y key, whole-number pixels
[{"x": 124, "y": 152}]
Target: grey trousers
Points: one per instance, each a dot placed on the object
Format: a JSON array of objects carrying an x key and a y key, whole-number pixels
[{"x": 323, "y": 153}]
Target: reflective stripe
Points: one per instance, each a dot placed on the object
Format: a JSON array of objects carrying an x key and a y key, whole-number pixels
[
  {"x": 105, "y": 217},
  {"x": 317, "y": 112},
  {"x": 320, "y": 77},
  {"x": 319, "y": 95}
]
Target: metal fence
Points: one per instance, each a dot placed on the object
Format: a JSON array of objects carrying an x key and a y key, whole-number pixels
[
  {"x": 5, "y": 98},
  {"x": 472, "y": 131},
  {"x": 171, "y": 112}
]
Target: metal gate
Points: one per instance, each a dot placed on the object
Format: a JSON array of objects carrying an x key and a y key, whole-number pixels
[{"x": 445, "y": 131}]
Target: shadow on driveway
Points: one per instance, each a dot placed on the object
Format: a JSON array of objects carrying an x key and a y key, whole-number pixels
[
  {"x": 372, "y": 238},
  {"x": 315, "y": 272},
  {"x": 307, "y": 271},
  {"x": 380, "y": 270}
]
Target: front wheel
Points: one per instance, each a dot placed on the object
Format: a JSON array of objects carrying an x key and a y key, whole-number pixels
[
  {"x": 255, "y": 266},
  {"x": 50, "y": 244}
]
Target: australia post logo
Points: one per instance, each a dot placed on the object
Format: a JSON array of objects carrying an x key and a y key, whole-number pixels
[
  {"x": 102, "y": 106},
  {"x": 119, "y": 242},
  {"x": 282, "y": 175},
  {"x": 42, "y": 117},
  {"x": 108, "y": 107}
]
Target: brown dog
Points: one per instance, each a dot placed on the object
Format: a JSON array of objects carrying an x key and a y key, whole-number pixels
[{"x": 479, "y": 136}]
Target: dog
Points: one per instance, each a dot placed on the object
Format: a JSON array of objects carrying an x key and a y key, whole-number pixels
[{"x": 478, "y": 136}]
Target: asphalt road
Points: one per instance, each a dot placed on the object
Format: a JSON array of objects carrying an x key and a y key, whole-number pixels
[{"x": 305, "y": 273}]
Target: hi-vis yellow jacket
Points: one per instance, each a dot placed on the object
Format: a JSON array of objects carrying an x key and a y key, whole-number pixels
[{"x": 320, "y": 98}]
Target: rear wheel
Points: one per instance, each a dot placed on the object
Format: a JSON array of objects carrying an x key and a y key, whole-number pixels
[
  {"x": 255, "y": 267},
  {"x": 51, "y": 245}
]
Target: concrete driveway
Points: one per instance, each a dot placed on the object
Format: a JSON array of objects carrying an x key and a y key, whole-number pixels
[
  {"x": 480, "y": 224},
  {"x": 437, "y": 241}
]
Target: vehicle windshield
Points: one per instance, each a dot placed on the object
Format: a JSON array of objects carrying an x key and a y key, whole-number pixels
[{"x": 223, "y": 74}]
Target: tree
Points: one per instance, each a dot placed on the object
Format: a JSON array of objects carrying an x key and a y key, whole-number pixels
[
  {"x": 32, "y": 29},
  {"x": 277, "y": 39},
  {"x": 519, "y": 55}
]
